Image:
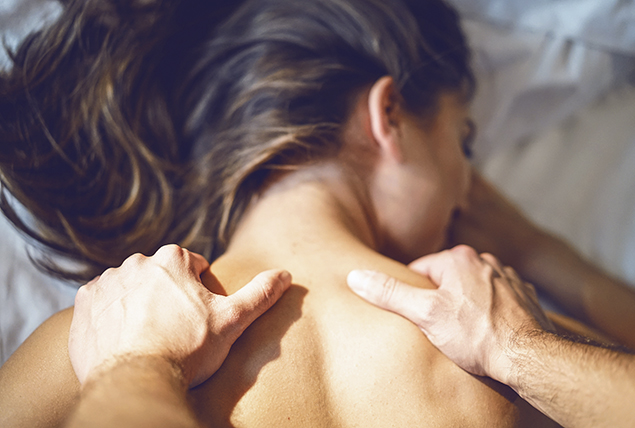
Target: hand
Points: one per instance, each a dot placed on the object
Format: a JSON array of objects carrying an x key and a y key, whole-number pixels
[
  {"x": 157, "y": 306},
  {"x": 478, "y": 309}
]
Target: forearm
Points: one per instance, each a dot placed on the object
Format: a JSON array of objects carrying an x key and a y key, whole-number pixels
[
  {"x": 580, "y": 287},
  {"x": 577, "y": 385},
  {"x": 140, "y": 392}
]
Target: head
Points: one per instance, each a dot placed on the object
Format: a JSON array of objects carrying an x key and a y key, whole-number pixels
[
  {"x": 135, "y": 124},
  {"x": 419, "y": 172},
  {"x": 278, "y": 85}
]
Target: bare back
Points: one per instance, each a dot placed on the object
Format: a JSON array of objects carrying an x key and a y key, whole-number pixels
[
  {"x": 324, "y": 358},
  {"x": 319, "y": 358}
]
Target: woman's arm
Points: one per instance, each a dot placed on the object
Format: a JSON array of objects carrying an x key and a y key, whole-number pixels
[
  {"x": 38, "y": 387},
  {"x": 492, "y": 224},
  {"x": 583, "y": 289}
]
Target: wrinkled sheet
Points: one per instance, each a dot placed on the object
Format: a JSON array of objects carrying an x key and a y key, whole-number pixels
[{"x": 556, "y": 115}]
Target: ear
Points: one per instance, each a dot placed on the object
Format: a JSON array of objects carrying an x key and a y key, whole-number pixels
[{"x": 384, "y": 107}]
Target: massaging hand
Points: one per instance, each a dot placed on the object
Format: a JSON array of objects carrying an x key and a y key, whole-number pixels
[
  {"x": 491, "y": 224},
  {"x": 479, "y": 307},
  {"x": 157, "y": 306}
]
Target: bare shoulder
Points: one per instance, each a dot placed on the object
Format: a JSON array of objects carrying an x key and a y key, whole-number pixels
[{"x": 38, "y": 386}]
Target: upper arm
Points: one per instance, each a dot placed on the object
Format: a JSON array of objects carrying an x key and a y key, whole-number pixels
[{"x": 38, "y": 387}]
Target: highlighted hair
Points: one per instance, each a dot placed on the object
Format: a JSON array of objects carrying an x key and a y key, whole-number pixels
[{"x": 129, "y": 124}]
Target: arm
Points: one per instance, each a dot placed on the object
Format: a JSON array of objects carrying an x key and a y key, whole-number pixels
[
  {"x": 576, "y": 384},
  {"x": 38, "y": 387},
  {"x": 138, "y": 392},
  {"x": 488, "y": 321},
  {"x": 491, "y": 224},
  {"x": 580, "y": 287}
]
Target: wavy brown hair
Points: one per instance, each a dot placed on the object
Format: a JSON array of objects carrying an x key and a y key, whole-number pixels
[{"x": 130, "y": 124}]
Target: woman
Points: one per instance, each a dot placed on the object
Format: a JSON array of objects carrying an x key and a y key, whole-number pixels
[{"x": 317, "y": 136}]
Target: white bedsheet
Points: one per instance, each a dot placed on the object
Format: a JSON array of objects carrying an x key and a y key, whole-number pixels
[{"x": 556, "y": 114}]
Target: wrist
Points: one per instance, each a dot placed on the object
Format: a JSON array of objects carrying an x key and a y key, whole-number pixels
[
  {"x": 133, "y": 367},
  {"x": 135, "y": 391},
  {"x": 520, "y": 355}
]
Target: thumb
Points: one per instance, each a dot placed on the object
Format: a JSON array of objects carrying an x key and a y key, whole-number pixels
[
  {"x": 393, "y": 295},
  {"x": 260, "y": 294}
]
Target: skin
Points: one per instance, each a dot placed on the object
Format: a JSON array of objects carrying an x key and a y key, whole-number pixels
[
  {"x": 577, "y": 384},
  {"x": 321, "y": 356}
]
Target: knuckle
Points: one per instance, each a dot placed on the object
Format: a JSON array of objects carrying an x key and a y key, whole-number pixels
[
  {"x": 132, "y": 261},
  {"x": 488, "y": 256},
  {"x": 169, "y": 251},
  {"x": 489, "y": 271},
  {"x": 464, "y": 251},
  {"x": 530, "y": 287},
  {"x": 388, "y": 290},
  {"x": 259, "y": 293},
  {"x": 108, "y": 273},
  {"x": 492, "y": 260},
  {"x": 81, "y": 295},
  {"x": 267, "y": 290},
  {"x": 511, "y": 273},
  {"x": 170, "y": 255}
]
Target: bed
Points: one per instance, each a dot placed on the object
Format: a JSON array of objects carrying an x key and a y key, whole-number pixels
[{"x": 556, "y": 115}]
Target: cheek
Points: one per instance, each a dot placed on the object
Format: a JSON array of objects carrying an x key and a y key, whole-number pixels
[
  {"x": 465, "y": 180},
  {"x": 452, "y": 179},
  {"x": 457, "y": 176}
]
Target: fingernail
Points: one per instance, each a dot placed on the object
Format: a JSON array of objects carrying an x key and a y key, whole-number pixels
[
  {"x": 285, "y": 276},
  {"x": 358, "y": 279}
]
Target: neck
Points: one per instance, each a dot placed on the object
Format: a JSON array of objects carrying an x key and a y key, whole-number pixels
[
  {"x": 306, "y": 208},
  {"x": 317, "y": 226},
  {"x": 315, "y": 216}
]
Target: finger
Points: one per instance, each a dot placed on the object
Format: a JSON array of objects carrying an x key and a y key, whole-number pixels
[
  {"x": 529, "y": 291},
  {"x": 92, "y": 281},
  {"x": 199, "y": 263},
  {"x": 492, "y": 260},
  {"x": 430, "y": 266},
  {"x": 258, "y": 296},
  {"x": 512, "y": 274},
  {"x": 83, "y": 298},
  {"x": 173, "y": 256},
  {"x": 435, "y": 265},
  {"x": 393, "y": 295},
  {"x": 530, "y": 288}
]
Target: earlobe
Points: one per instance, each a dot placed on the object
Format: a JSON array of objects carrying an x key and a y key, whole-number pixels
[{"x": 384, "y": 108}]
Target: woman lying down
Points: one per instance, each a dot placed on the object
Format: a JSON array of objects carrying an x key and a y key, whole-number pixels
[{"x": 318, "y": 137}]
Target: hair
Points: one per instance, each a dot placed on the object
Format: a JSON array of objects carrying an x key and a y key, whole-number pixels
[{"x": 130, "y": 124}]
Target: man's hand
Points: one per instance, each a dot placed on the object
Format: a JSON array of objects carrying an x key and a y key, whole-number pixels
[
  {"x": 157, "y": 307},
  {"x": 490, "y": 223},
  {"x": 479, "y": 308}
]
